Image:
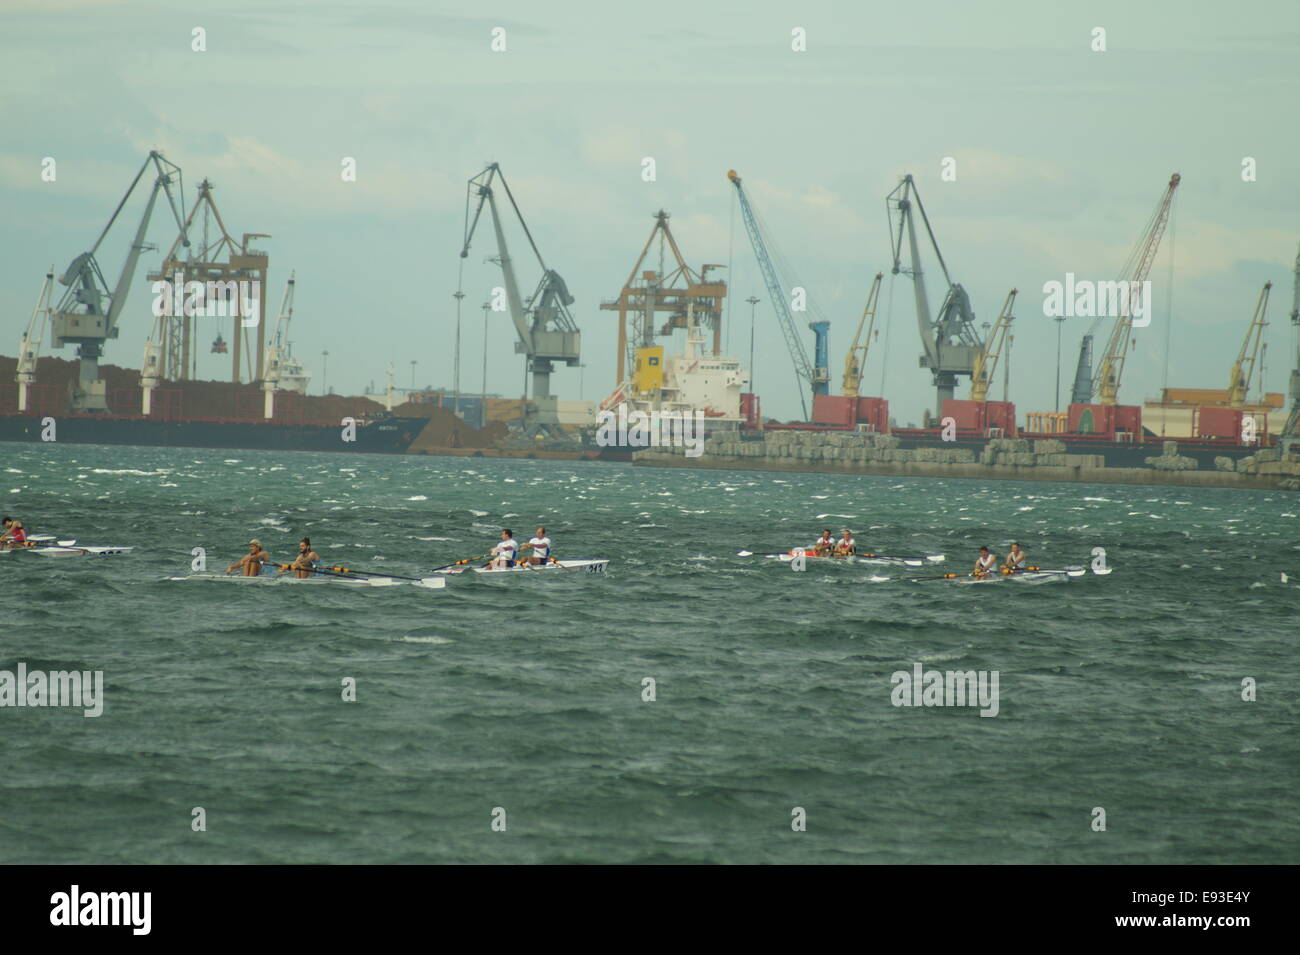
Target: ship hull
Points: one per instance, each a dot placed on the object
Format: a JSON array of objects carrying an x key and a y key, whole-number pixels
[{"x": 382, "y": 436}]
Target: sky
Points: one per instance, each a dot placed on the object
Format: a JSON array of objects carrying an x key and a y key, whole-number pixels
[{"x": 1061, "y": 153}]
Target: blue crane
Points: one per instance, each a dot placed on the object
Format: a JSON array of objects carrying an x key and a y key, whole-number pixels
[{"x": 816, "y": 375}]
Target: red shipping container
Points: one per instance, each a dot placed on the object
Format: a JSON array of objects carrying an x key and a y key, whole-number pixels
[
  {"x": 968, "y": 415},
  {"x": 1001, "y": 414},
  {"x": 875, "y": 412},
  {"x": 1220, "y": 423},
  {"x": 1092, "y": 419},
  {"x": 1128, "y": 418},
  {"x": 834, "y": 410}
]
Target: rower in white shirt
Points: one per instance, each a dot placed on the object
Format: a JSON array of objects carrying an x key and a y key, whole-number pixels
[
  {"x": 540, "y": 546},
  {"x": 823, "y": 546},
  {"x": 1015, "y": 562},
  {"x": 846, "y": 546},
  {"x": 985, "y": 564},
  {"x": 503, "y": 554}
]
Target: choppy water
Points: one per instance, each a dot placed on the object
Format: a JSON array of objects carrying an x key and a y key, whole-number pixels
[{"x": 773, "y": 687}]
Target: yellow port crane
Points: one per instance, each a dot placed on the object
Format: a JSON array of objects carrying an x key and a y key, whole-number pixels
[
  {"x": 1243, "y": 369},
  {"x": 986, "y": 360},
  {"x": 1111, "y": 371},
  {"x": 856, "y": 358}
]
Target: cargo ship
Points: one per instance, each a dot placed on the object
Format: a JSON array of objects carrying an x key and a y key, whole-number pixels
[{"x": 204, "y": 414}]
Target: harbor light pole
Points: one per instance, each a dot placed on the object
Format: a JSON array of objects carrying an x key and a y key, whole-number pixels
[
  {"x": 487, "y": 307},
  {"x": 753, "y": 306},
  {"x": 1060, "y": 320},
  {"x": 414, "y": 362},
  {"x": 325, "y": 372},
  {"x": 455, "y": 377}
]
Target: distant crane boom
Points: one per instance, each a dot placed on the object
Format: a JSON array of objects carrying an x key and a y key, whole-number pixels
[
  {"x": 986, "y": 362},
  {"x": 1243, "y": 369},
  {"x": 88, "y": 312},
  {"x": 546, "y": 330},
  {"x": 1110, "y": 371},
  {"x": 950, "y": 341},
  {"x": 855, "y": 360},
  {"x": 1291, "y": 430},
  {"x": 816, "y": 376}
]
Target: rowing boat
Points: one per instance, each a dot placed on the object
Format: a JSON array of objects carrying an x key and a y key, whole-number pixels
[
  {"x": 61, "y": 551},
  {"x": 430, "y": 583},
  {"x": 590, "y": 566},
  {"x": 1026, "y": 576},
  {"x": 909, "y": 561}
]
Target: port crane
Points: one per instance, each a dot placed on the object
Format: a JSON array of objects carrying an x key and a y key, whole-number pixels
[
  {"x": 855, "y": 360},
  {"x": 547, "y": 332},
  {"x": 950, "y": 341},
  {"x": 1243, "y": 369},
  {"x": 1291, "y": 430},
  {"x": 816, "y": 373},
  {"x": 1110, "y": 371},
  {"x": 87, "y": 313},
  {"x": 986, "y": 362},
  {"x": 29, "y": 346}
]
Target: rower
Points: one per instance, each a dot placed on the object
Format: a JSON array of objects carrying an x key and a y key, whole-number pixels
[
  {"x": 251, "y": 563},
  {"x": 823, "y": 545},
  {"x": 503, "y": 554},
  {"x": 985, "y": 564},
  {"x": 1015, "y": 561},
  {"x": 845, "y": 546},
  {"x": 304, "y": 563},
  {"x": 12, "y": 533},
  {"x": 540, "y": 546}
]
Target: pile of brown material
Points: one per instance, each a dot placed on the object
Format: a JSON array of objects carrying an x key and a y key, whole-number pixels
[
  {"x": 445, "y": 430},
  {"x": 176, "y": 400}
]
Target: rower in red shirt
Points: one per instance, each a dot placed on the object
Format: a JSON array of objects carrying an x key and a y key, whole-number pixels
[{"x": 12, "y": 534}]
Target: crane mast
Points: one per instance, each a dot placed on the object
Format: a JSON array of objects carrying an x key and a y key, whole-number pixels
[
  {"x": 87, "y": 313},
  {"x": 29, "y": 347},
  {"x": 950, "y": 341},
  {"x": 855, "y": 360},
  {"x": 986, "y": 362},
  {"x": 816, "y": 375},
  {"x": 1110, "y": 372},
  {"x": 546, "y": 330},
  {"x": 1243, "y": 369},
  {"x": 1291, "y": 430}
]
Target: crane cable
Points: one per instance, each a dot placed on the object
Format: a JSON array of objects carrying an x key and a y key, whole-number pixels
[
  {"x": 889, "y": 315},
  {"x": 1169, "y": 310}
]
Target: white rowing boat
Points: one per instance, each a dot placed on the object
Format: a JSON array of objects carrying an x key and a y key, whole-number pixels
[
  {"x": 587, "y": 565},
  {"x": 919, "y": 560},
  {"x": 60, "y": 551},
  {"x": 430, "y": 583},
  {"x": 1026, "y": 576}
]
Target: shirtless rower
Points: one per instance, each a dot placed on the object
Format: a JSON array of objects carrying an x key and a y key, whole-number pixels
[
  {"x": 823, "y": 545},
  {"x": 12, "y": 533},
  {"x": 503, "y": 554},
  {"x": 304, "y": 563},
  {"x": 251, "y": 563},
  {"x": 540, "y": 546},
  {"x": 985, "y": 564},
  {"x": 846, "y": 546},
  {"x": 1016, "y": 559}
]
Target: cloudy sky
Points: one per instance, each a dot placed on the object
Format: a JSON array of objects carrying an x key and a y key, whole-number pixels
[{"x": 1061, "y": 154}]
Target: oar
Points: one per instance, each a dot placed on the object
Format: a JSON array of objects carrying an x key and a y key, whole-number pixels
[
  {"x": 467, "y": 560},
  {"x": 326, "y": 571},
  {"x": 368, "y": 573}
]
